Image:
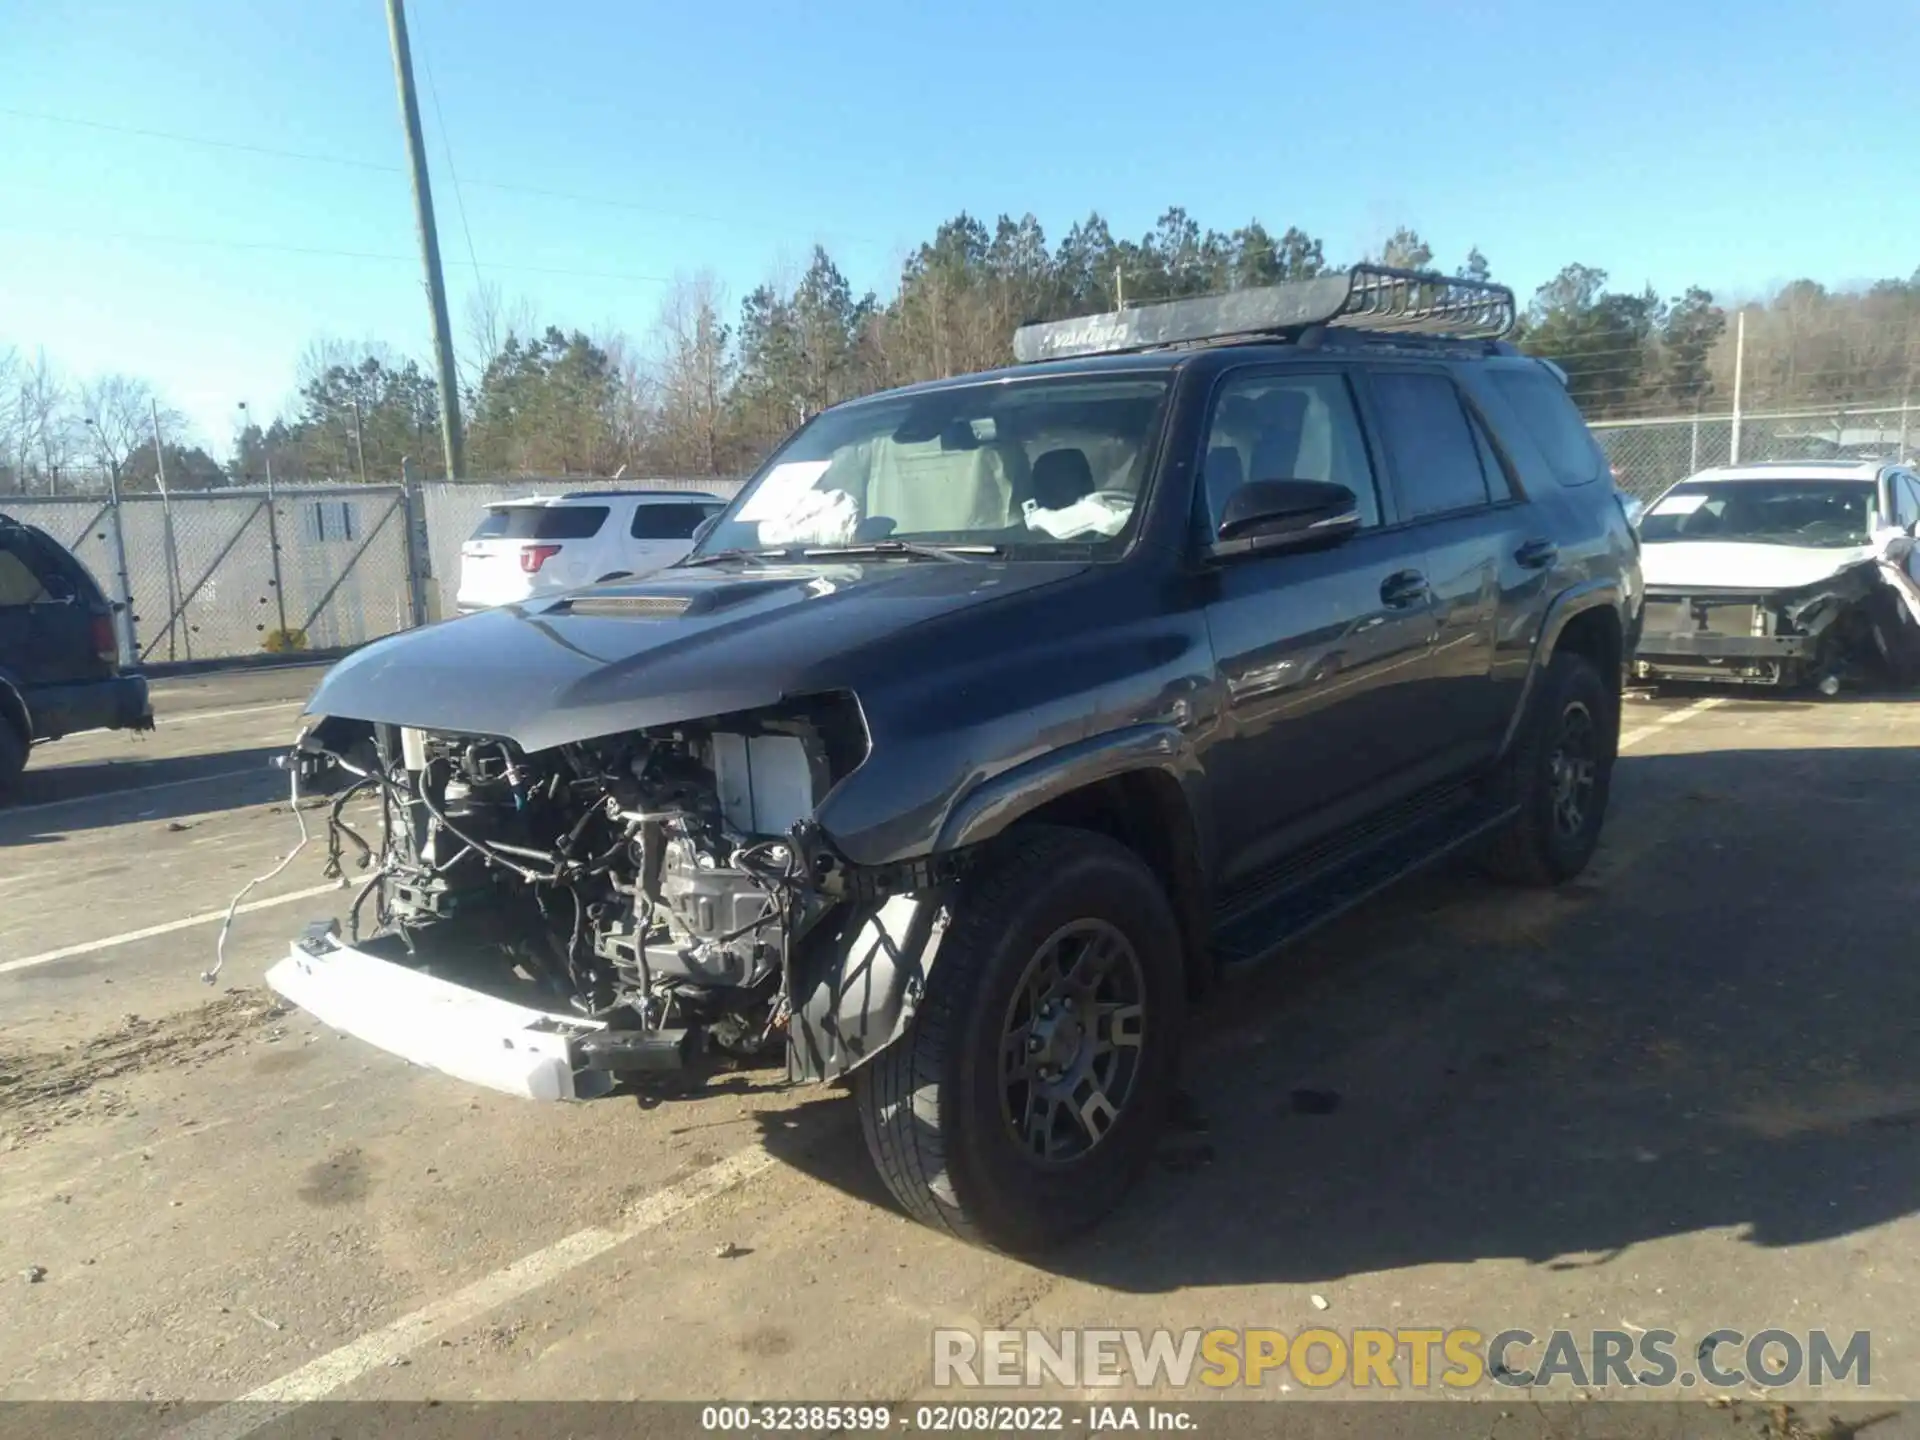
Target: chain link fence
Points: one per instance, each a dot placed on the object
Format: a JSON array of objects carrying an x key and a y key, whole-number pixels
[
  {"x": 220, "y": 574},
  {"x": 1650, "y": 455},
  {"x": 227, "y": 574}
]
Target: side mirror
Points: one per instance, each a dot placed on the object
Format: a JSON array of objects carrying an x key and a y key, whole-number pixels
[
  {"x": 1632, "y": 506},
  {"x": 705, "y": 528},
  {"x": 1265, "y": 515}
]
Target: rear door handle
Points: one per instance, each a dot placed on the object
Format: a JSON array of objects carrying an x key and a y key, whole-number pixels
[
  {"x": 1404, "y": 589},
  {"x": 1537, "y": 554}
]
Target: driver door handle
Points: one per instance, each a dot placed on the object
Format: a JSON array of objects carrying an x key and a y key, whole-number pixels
[
  {"x": 1404, "y": 589},
  {"x": 1537, "y": 554}
]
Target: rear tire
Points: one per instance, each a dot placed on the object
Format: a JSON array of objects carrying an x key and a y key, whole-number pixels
[
  {"x": 1031, "y": 1087},
  {"x": 13, "y": 759},
  {"x": 1561, "y": 773}
]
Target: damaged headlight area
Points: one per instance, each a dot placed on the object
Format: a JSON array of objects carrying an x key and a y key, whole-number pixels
[
  {"x": 630, "y": 900},
  {"x": 1860, "y": 624}
]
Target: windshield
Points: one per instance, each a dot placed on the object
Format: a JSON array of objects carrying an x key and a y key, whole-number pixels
[
  {"x": 1025, "y": 466},
  {"x": 1818, "y": 514}
]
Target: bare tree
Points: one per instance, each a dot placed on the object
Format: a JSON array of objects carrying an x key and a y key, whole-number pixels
[
  {"x": 47, "y": 427},
  {"x": 326, "y": 353},
  {"x": 491, "y": 320},
  {"x": 13, "y": 421},
  {"x": 632, "y": 419},
  {"x": 118, "y": 413},
  {"x": 694, "y": 366}
]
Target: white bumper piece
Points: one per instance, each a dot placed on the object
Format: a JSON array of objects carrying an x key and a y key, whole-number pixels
[{"x": 471, "y": 1036}]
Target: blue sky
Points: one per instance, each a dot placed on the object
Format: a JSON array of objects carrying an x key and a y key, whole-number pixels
[{"x": 1664, "y": 142}]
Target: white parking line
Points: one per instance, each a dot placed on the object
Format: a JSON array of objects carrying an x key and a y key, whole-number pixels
[
  {"x": 133, "y": 790},
  {"x": 206, "y": 917},
  {"x": 1685, "y": 712},
  {"x": 192, "y": 715},
  {"x": 321, "y": 1377}
]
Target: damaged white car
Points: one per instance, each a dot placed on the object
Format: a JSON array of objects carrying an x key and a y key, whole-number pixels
[{"x": 1789, "y": 573}]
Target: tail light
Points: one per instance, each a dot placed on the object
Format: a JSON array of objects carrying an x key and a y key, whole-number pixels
[
  {"x": 105, "y": 643},
  {"x": 532, "y": 557}
]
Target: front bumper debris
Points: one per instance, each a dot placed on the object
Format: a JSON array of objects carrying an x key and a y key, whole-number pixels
[{"x": 439, "y": 1025}]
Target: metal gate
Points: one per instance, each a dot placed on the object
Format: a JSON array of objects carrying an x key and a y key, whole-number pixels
[{"x": 225, "y": 573}]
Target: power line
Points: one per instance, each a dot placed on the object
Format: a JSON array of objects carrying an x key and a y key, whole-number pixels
[
  {"x": 130, "y": 238},
  {"x": 446, "y": 144},
  {"x": 506, "y": 187},
  {"x": 199, "y": 140}
]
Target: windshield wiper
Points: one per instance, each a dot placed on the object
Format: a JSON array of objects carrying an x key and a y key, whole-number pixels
[
  {"x": 736, "y": 553},
  {"x": 882, "y": 549}
]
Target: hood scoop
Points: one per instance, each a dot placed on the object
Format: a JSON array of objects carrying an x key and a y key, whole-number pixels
[{"x": 631, "y": 607}]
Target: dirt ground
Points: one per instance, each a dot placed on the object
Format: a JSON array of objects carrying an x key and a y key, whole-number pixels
[{"x": 1682, "y": 1093}]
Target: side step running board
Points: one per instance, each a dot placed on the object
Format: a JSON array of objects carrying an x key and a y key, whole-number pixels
[{"x": 1257, "y": 931}]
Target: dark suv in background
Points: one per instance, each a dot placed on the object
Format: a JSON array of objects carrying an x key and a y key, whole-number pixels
[
  {"x": 59, "y": 655},
  {"x": 992, "y": 720}
]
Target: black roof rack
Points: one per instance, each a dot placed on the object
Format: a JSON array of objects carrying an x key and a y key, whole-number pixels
[
  {"x": 638, "y": 493},
  {"x": 1367, "y": 297}
]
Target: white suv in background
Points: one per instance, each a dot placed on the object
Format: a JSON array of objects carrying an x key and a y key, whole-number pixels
[{"x": 543, "y": 544}]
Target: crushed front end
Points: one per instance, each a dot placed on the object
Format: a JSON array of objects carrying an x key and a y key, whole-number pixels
[
  {"x": 1854, "y": 625},
  {"x": 545, "y": 923}
]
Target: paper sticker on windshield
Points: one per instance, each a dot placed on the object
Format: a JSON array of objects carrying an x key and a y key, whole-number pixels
[
  {"x": 780, "y": 490},
  {"x": 1679, "y": 505}
]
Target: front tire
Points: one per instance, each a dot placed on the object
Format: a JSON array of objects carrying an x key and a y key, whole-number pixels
[
  {"x": 1031, "y": 1087},
  {"x": 1561, "y": 774}
]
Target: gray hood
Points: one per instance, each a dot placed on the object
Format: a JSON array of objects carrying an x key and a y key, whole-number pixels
[{"x": 679, "y": 645}]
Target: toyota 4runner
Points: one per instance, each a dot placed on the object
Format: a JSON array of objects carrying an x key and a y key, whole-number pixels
[{"x": 990, "y": 723}]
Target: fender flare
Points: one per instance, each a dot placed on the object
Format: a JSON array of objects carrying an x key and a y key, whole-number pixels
[
  {"x": 995, "y": 803},
  {"x": 1575, "y": 600},
  {"x": 856, "y": 995}
]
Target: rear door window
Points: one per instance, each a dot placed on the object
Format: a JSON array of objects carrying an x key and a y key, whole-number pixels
[
  {"x": 545, "y": 522},
  {"x": 671, "y": 520},
  {"x": 1438, "y": 463},
  {"x": 1551, "y": 420},
  {"x": 1498, "y": 483}
]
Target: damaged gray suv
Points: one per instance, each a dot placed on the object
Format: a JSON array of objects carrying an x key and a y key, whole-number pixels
[{"x": 989, "y": 724}]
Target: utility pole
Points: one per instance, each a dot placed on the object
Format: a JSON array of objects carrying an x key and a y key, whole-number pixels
[
  {"x": 429, "y": 242},
  {"x": 123, "y": 609},
  {"x": 359, "y": 440},
  {"x": 1739, "y": 369},
  {"x": 175, "y": 615}
]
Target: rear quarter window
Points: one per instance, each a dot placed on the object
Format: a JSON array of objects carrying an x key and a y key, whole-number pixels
[
  {"x": 1549, "y": 418},
  {"x": 543, "y": 522},
  {"x": 669, "y": 520},
  {"x": 19, "y": 585},
  {"x": 55, "y": 572}
]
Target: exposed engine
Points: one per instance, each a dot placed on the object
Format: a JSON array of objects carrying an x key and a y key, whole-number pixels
[{"x": 656, "y": 880}]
